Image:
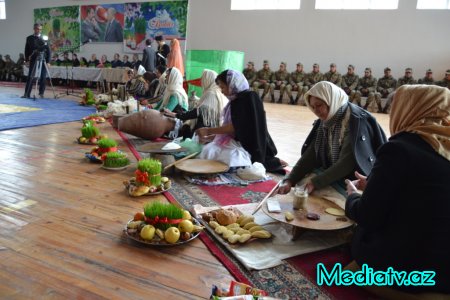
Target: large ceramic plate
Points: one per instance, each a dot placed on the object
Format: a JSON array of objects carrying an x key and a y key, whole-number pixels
[
  {"x": 202, "y": 166},
  {"x": 159, "y": 243}
]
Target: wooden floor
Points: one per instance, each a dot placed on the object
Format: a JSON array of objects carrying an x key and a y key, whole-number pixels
[{"x": 61, "y": 220}]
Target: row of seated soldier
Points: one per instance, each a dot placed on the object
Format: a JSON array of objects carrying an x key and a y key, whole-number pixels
[
  {"x": 356, "y": 87},
  {"x": 94, "y": 62}
]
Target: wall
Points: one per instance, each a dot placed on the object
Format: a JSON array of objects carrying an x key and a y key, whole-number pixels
[
  {"x": 365, "y": 38},
  {"x": 397, "y": 38},
  {"x": 19, "y": 24}
]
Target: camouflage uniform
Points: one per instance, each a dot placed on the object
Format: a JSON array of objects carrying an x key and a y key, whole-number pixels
[
  {"x": 314, "y": 77},
  {"x": 265, "y": 75},
  {"x": 250, "y": 73},
  {"x": 427, "y": 80},
  {"x": 296, "y": 83},
  {"x": 333, "y": 76},
  {"x": 2, "y": 66},
  {"x": 18, "y": 68},
  {"x": 367, "y": 87},
  {"x": 446, "y": 81},
  {"x": 279, "y": 81},
  {"x": 7, "y": 70},
  {"x": 385, "y": 86},
  {"x": 350, "y": 83},
  {"x": 406, "y": 79}
]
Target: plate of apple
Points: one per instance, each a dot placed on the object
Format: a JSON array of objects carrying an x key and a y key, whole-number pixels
[{"x": 162, "y": 224}]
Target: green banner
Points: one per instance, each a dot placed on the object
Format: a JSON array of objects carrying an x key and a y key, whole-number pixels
[
  {"x": 149, "y": 19},
  {"x": 61, "y": 25}
]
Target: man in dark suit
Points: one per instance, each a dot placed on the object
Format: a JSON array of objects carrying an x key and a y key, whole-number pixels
[
  {"x": 163, "y": 51},
  {"x": 35, "y": 48},
  {"x": 113, "y": 32},
  {"x": 149, "y": 57}
]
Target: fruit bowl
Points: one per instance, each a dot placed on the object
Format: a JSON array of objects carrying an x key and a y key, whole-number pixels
[
  {"x": 134, "y": 235},
  {"x": 130, "y": 186}
]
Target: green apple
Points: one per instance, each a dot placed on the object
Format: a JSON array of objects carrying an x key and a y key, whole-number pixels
[
  {"x": 186, "y": 226},
  {"x": 172, "y": 235},
  {"x": 148, "y": 232},
  {"x": 186, "y": 215}
]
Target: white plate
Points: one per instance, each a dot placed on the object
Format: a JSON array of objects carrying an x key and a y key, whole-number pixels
[{"x": 115, "y": 169}]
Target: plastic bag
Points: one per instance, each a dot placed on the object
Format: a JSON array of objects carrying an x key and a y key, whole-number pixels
[
  {"x": 192, "y": 145},
  {"x": 254, "y": 172}
]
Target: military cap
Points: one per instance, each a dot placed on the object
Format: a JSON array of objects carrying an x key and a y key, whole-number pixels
[
  {"x": 408, "y": 70},
  {"x": 447, "y": 72},
  {"x": 300, "y": 64},
  {"x": 265, "y": 62},
  {"x": 367, "y": 70},
  {"x": 316, "y": 65},
  {"x": 332, "y": 65},
  {"x": 158, "y": 38},
  {"x": 283, "y": 63},
  {"x": 351, "y": 66},
  {"x": 429, "y": 71},
  {"x": 387, "y": 69},
  {"x": 251, "y": 63}
]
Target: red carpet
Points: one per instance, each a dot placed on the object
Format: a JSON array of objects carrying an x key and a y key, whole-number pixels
[{"x": 296, "y": 277}]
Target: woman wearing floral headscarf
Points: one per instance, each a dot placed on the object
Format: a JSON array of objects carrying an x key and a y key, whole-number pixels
[
  {"x": 243, "y": 138},
  {"x": 207, "y": 113},
  {"x": 343, "y": 140},
  {"x": 403, "y": 214},
  {"x": 175, "y": 97}
]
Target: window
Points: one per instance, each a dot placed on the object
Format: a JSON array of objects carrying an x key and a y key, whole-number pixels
[
  {"x": 264, "y": 4},
  {"x": 356, "y": 4},
  {"x": 433, "y": 4},
  {"x": 2, "y": 10}
]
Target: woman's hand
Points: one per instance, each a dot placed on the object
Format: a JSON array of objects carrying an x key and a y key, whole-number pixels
[
  {"x": 203, "y": 135},
  {"x": 285, "y": 187},
  {"x": 355, "y": 185},
  {"x": 309, "y": 187},
  {"x": 169, "y": 113}
]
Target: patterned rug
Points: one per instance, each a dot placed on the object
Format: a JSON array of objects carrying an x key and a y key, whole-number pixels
[{"x": 295, "y": 278}]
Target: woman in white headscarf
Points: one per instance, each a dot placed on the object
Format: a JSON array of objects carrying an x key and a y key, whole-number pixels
[
  {"x": 175, "y": 98},
  {"x": 403, "y": 214},
  {"x": 207, "y": 112},
  {"x": 343, "y": 140}
]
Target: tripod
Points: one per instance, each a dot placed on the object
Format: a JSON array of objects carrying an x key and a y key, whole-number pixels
[{"x": 36, "y": 72}]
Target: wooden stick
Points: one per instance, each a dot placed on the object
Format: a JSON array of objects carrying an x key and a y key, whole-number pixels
[
  {"x": 267, "y": 197},
  {"x": 180, "y": 160}
]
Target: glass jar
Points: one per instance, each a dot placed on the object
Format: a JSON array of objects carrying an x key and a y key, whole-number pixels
[{"x": 300, "y": 198}]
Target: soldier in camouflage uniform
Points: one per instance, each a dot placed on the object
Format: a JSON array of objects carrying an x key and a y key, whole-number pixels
[
  {"x": 250, "y": 73},
  {"x": 296, "y": 83},
  {"x": 314, "y": 77},
  {"x": 263, "y": 79},
  {"x": 333, "y": 76},
  {"x": 367, "y": 87},
  {"x": 385, "y": 86},
  {"x": 350, "y": 82},
  {"x": 407, "y": 79},
  {"x": 446, "y": 81},
  {"x": 428, "y": 79},
  {"x": 7, "y": 70},
  {"x": 2, "y": 66},
  {"x": 279, "y": 81},
  {"x": 18, "y": 68}
]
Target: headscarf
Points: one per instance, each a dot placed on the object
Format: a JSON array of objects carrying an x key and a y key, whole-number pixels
[
  {"x": 236, "y": 83},
  {"x": 161, "y": 85},
  {"x": 330, "y": 133},
  {"x": 175, "y": 87},
  {"x": 212, "y": 101},
  {"x": 424, "y": 110},
  {"x": 175, "y": 58}
]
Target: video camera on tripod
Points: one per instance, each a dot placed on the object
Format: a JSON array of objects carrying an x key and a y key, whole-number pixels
[{"x": 42, "y": 46}]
